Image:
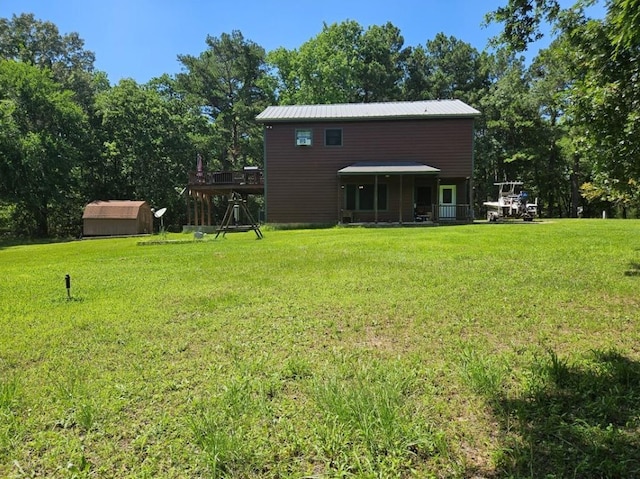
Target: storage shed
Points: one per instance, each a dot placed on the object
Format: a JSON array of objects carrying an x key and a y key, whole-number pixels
[{"x": 117, "y": 217}]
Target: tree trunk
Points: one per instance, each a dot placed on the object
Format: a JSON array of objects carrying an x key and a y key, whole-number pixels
[
  {"x": 42, "y": 220},
  {"x": 575, "y": 187}
]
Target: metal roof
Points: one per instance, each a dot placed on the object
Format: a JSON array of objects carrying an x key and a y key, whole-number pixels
[
  {"x": 369, "y": 111},
  {"x": 113, "y": 209},
  {"x": 388, "y": 168}
]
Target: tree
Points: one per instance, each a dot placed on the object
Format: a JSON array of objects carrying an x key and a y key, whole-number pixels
[
  {"x": 522, "y": 20},
  {"x": 24, "y": 38},
  {"x": 323, "y": 70},
  {"x": 382, "y": 59},
  {"x": 149, "y": 136},
  {"x": 342, "y": 64},
  {"x": 42, "y": 133},
  {"x": 559, "y": 170},
  {"x": 417, "y": 71},
  {"x": 624, "y": 16},
  {"x": 604, "y": 88},
  {"x": 607, "y": 106},
  {"x": 455, "y": 70},
  {"x": 229, "y": 80},
  {"x": 508, "y": 133}
]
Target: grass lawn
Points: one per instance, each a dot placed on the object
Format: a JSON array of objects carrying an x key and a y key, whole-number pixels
[{"x": 486, "y": 350}]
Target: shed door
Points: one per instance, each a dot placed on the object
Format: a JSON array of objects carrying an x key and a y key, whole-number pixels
[{"x": 447, "y": 202}]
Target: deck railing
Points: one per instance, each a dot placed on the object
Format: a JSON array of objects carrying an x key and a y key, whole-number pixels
[
  {"x": 452, "y": 212},
  {"x": 246, "y": 177}
]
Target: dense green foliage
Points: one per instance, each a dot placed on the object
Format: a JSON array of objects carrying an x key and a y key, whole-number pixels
[
  {"x": 343, "y": 64},
  {"x": 567, "y": 124},
  {"x": 463, "y": 351},
  {"x": 228, "y": 81},
  {"x": 43, "y": 133},
  {"x": 600, "y": 92}
]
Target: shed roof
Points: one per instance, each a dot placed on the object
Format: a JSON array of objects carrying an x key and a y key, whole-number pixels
[
  {"x": 113, "y": 209},
  {"x": 388, "y": 168},
  {"x": 370, "y": 111}
]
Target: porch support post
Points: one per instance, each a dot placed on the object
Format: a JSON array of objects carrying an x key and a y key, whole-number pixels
[
  {"x": 339, "y": 200},
  {"x": 400, "y": 216},
  {"x": 187, "y": 196},
  {"x": 473, "y": 166},
  {"x": 202, "y": 209},
  {"x": 437, "y": 212},
  {"x": 195, "y": 209},
  {"x": 375, "y": 198},
  {"x": 470, "y": 191}
]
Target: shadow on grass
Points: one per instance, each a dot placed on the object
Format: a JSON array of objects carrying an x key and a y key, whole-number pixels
[
  {"x": 573, "y": 420},
  {"x": 9, "y": 241},
  {"x": 634, "y": 269}
]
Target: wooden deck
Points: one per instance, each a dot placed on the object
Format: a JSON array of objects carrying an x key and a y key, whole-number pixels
[
  {"x": 204, "y": 185},
  {"x": 246, "y": 182}
]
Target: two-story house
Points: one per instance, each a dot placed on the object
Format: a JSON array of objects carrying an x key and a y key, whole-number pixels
[{"x": 369, "y": 162}]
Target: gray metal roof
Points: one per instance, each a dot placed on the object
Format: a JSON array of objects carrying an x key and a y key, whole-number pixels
[
  {"x": 388, "y": 168},
  {"x": 369, "y": 111}
]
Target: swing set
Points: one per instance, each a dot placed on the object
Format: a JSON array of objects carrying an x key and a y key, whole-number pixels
[{"x": 232, "y": 221}]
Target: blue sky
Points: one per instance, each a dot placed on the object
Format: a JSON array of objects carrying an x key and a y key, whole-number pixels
[{"x": 141, "y": 39}]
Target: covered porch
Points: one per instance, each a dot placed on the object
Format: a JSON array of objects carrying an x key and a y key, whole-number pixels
[{"x": 401, "y": 192}]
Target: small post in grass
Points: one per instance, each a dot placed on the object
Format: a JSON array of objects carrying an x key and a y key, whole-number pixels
[{"x": 67, "y": 280}]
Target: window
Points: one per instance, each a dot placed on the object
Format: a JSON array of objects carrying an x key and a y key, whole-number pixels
[
  {"x": 303, "y": 137},
  {"x": 447, "y": 196},
  {"x": 361, "y": 197},
  {"x": 333, "y": 137}
]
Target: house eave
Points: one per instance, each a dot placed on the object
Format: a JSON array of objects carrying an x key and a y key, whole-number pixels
[{"x": 388, "y": 168}]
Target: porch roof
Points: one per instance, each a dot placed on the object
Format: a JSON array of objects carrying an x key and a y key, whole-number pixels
[{"x": 388, "y": 168}]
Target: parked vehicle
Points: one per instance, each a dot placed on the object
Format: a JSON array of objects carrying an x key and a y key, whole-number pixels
[{"x": 512, "y": 203}]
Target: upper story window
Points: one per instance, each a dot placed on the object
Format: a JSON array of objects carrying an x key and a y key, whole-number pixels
[
  {"x": 304, "y": 137},
  {"x": 333, "y": 137}
]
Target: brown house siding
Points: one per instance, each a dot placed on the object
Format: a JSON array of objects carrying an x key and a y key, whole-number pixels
[{"x": 302, "y": 181}]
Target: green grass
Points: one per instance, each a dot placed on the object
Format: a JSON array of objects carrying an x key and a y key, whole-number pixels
[{"x": 508, "y": 350}]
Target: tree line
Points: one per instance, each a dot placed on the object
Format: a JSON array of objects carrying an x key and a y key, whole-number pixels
[{"x": 567, "y": 124}]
